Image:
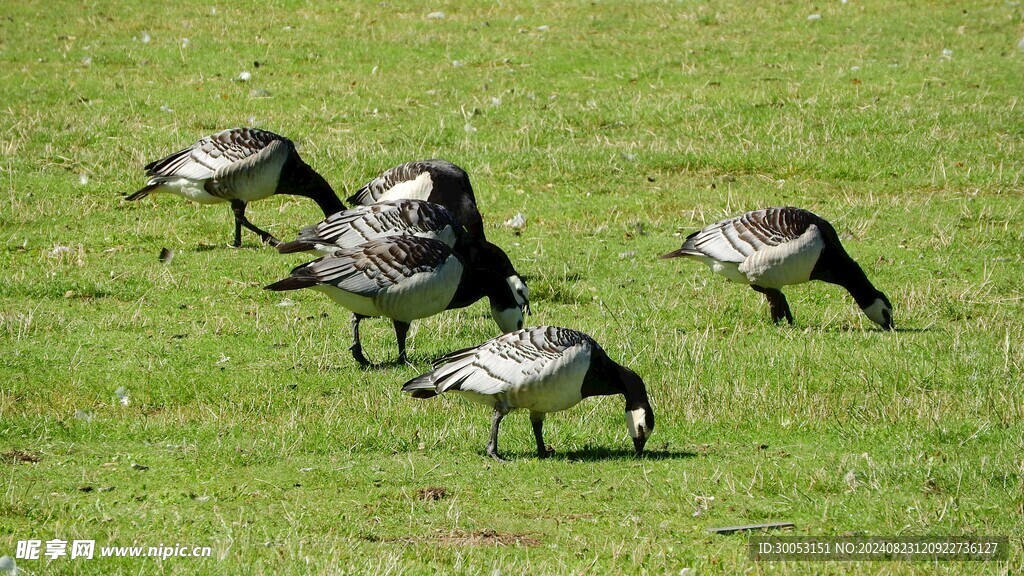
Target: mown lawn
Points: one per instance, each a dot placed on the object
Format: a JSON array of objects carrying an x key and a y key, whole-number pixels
[{"x": 146, "y": 404}]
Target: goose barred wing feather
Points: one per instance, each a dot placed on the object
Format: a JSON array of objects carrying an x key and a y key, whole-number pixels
[
  {"x": 363, "y": 223},
  {"x": 735, "y": 239},
  {"x": 501, "y": 363},
  {"x": 373, "y": 266},
  {"x": 373, "y": 190},
  {"x": 215, "y": 153}
]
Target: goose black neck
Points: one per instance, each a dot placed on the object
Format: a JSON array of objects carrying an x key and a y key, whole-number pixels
[
  {"x": 299, "y": 179},
  {"x": 606, "y": 377},
  {"x": 482, "y": 255},
  {"x": 472, "y": 287},
  {"x": 328, "y": 201},
  {"x": 456, "y": 193},
  {"x": 837, "y": 267},
  {"x": 476, "y": 284}
]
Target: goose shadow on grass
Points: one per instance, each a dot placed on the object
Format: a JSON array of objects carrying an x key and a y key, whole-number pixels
[
  {"x": 248, "y": 246},
  {"x": 418, "y": 362},
  {"x": 849, "y": 329},
  {"x": 597, "y": 454},
  {"x": 593, "y": 454}
]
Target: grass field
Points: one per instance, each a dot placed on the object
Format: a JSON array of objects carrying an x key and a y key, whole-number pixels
[{"x": 616, "y": 128}]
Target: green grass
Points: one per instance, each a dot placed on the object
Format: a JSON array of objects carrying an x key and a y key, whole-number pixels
[{"x": 616, "y": 130}]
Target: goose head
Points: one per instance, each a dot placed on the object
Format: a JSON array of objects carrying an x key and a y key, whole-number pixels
[
  {"x": 639, "y": 414},
  {"x": 508, "y": 293},
  {"x": 879, "y": 310}
]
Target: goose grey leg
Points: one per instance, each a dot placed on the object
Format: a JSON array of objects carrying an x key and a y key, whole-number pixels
[
  {"x": 357, "y": 347},
  {"x": 777, "y": 302},
  {"x": 238, "y": 207},
  {"x": 492, "y": 444},
  {"x": 537, "y": 419},
  {"x": 401, "y": 331}
]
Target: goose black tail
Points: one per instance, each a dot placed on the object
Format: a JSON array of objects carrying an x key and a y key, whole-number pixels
[
  {"x": 676, "y": 254},
  {"x": 420, "y": 387},
  {"x": 143, "y": 192},
  {"x": 292, "y": 283},
  {"x": 296, "y": 246}
]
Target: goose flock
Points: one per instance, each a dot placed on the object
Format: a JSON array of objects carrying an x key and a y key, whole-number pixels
[{"x": 413, "y": 245}]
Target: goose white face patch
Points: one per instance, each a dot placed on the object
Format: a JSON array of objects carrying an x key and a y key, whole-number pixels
[
  {"x": 636, "y": 423},
  {"x": 880, "y": 313},
  {"x": 508, "y": 319},
  {"x": 521, "y": 292}
]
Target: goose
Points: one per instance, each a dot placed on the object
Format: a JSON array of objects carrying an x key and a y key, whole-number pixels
[
  {"x": 405, "y": 278},
  {"x": 542, "y": 369},
  {"x": 438, "y": 181},
  {"x": 239, "y": 165},
  {"x": 775, "y": 247},
  {"x": 354, "y": 226},
  {"x": 351, "y": 227}
]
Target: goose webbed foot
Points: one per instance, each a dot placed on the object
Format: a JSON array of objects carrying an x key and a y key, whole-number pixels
[
  {"x": 357, "y": 353},
  {"x": 238, "y": 208}
]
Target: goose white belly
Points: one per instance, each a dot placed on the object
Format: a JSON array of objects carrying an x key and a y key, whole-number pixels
[
  {"x": 190, "y": 189},
  {"x": 788, "y": 263},
  {"x": 728, "y": 269},
  {"x": 364, "y": 305},
  {"x": 418, "y": 296},
  {"x": 551, "y": 400},
  {"x": 417, "y": 189}
]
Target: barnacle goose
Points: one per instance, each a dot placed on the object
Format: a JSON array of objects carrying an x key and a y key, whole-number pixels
[
  {"x": 405, "y": 278},
  {"x": 542, "y": 369},
  {"x": 777, "y": 247},
  {"x": 239, "y": 166}
]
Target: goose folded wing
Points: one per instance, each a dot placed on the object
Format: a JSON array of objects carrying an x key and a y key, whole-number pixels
[
  {"x": 505, "y": 361},
  {"x": 212, "y": 154},
  {"x": 374, "y": 266},
  {"x": 250, "y": 155},
  {"x": 735, "y": 239},
  {"x": 428, "y": 216},
  {"x": 192, "y": 163},
  {"x": 357, "y": 225}
]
